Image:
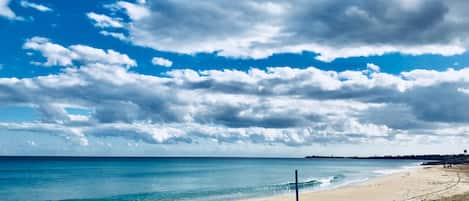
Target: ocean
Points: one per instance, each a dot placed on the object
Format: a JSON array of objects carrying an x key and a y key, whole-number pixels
[{"x": 178, "y": 178}]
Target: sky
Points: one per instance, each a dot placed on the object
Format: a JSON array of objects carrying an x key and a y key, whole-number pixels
[{"x": 234, "y": 78}]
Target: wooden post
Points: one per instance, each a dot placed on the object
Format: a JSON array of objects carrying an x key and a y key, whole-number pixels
[{"x": 296, "y": 185}]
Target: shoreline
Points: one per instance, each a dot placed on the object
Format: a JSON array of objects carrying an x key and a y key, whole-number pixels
[{"x": 421, "y": 183}]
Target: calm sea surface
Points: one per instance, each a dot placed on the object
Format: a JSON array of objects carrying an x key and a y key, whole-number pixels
[{"x": 169, "y": 179}]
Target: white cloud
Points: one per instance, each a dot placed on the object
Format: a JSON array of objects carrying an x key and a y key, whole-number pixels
[
  {"x": 279, "y": 105},
  {"x": 134, "y": 11},
  {"x": 258, "y": 29},
  {"x": 55, "y": 54},
  {"x": 119, "y": 36},
  {"x": 73, "y": 134},
  {"x": 95, "y": 55},
  {"x": 161, "y": 61},
  {"x": 5, "y": 10},
  {"x": 58, "y": 55},
  {"x": 75, "y": 117},
  {"x": 328, "y": 54},
  {"x": 39, "y": 7},
  {"x": 373, "y": 67},
  {"x": 104, "y": 21}
]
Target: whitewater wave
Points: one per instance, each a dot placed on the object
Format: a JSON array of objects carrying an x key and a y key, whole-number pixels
[
  {"x": 312, "y": 182},
  {"x": 309, "y": 184},
  {"x": 226, "y": 194}
]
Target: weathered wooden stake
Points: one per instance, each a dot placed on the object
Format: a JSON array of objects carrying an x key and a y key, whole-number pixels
[{"x": 296, "y": 185}]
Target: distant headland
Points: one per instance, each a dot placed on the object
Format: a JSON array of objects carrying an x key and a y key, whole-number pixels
[{"x": 432, "y": 159}]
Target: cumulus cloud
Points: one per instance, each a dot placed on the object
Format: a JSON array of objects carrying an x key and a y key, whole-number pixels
[
  {"x": 160, "y": 61},
  {"x": 333, "y": 29},
  {"x": 58, "y": 55},
  {"x": 279, "y": 105},
  {"x": 39, "y": 7}
]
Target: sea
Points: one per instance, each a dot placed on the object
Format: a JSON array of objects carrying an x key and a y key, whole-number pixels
[{"x": 179, "y": 178}]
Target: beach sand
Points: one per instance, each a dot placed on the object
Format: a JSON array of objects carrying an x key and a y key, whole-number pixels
[{"x": 430, "y": 183}]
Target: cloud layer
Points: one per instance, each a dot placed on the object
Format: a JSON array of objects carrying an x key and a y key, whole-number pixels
[
  {"x": 333, "y": 29},
  {"x": 279, "y": 105}
]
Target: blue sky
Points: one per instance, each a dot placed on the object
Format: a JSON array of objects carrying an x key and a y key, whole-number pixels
[{"x": 249, "y": 78}]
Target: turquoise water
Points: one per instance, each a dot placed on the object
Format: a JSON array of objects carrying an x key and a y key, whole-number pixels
[{"x": 168, "y": 179}]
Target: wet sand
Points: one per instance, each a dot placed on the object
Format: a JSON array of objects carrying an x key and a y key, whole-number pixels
[{"x": 430, "y": 183}]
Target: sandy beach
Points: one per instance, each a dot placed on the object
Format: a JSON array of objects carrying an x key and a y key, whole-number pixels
[{"x": 430, "y": 183}]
